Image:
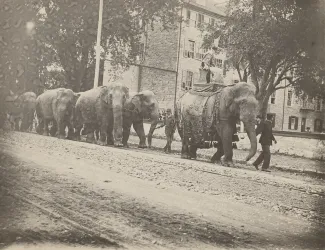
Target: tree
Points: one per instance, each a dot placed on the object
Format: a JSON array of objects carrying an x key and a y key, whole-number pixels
[
  {"x": 270, "y": 42},
  {"x": 66, "y": 33}
]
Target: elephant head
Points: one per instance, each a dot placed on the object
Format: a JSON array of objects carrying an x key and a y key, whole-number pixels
[
  {"x": 240, "y": 102},
  {"x": 117, "y": 94},
  {"x": 147, "y": 105}
]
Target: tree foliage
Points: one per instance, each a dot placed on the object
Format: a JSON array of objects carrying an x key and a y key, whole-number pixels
[
  {"x": 68, "y": 29},
  {"x": 274, "y": 41}
]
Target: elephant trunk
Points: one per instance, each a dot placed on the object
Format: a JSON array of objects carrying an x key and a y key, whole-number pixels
[
  {"x": 250, "y": 130},
  {"x": 118, "y": 122},
  {"x": 154, "y": 121}
]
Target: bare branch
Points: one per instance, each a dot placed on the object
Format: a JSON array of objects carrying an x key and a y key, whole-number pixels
[{"x": 291, "y": 82}]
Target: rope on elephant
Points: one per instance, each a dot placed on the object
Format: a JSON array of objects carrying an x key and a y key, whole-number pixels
[{"x": 207, "y": 91}]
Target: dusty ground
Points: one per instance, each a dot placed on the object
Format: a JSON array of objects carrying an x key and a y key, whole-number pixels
[{"x": 74, "y": 193}]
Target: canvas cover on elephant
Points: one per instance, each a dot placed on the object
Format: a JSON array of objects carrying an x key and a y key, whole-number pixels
[{"x": 201, "y": 116}]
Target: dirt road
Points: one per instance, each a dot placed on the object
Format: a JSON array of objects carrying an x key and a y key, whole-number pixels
[{"x": 73, "y": 193}]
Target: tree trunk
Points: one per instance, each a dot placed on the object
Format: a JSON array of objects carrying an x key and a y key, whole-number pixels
[{"x": 263, "y": 101}]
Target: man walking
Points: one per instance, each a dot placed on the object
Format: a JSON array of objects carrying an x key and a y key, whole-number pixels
[
  {"x": 170, "y": 127},
  {"x": 264, "y": 128}
]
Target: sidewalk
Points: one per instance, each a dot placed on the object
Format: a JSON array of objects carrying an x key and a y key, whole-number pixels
[{"x": 278, "y": 161}]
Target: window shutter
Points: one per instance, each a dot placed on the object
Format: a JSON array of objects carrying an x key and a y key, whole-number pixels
[
  {"x": 289, "y": 124},
  {"x": 321, "y": 126},
  {"x": 296, "y": 123},
  {"x": 315, "y": 125},
  {"x": 185, "y": 51}
]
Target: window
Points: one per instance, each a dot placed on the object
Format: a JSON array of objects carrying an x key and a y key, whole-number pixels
[
  {"x": 318, "y": 104},
  {"x": 273, "y": 98},
  {"x": 189, "y": 49},
  {"x": 188, "y": 18},
  {"x": 200, "y": 19},
  {"x": 318, "y": 127},
  {"x": 289, "y": 100},
  {"x": 271, "y": 117},
  {"x": 212, "y": 21},
  {"x": 187, "y": 80},
  {"x": 293, "y": 123}
]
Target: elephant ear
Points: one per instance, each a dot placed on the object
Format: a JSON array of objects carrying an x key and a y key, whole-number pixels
[
  {"x": 105, "y": 95},
  {"x": 137, "y": 101},
  {"x": 229, "y": 100}
]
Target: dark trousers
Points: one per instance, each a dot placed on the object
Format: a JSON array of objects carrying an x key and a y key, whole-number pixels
[
  {"x": 264, "y": 157},
  {"x": 169, "y": 142}
]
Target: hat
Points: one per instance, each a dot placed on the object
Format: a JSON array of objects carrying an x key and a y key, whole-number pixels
[
  {"x": 214, "y": 47},
  {"x": 258, "y": 117},
  {"x": 169, "y": 110}
]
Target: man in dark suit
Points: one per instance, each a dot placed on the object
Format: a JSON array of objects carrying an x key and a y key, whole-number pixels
[{"x": 264, "y": 128}]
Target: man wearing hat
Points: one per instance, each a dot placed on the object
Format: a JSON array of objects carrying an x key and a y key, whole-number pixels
[
  {"x": 209, "y": 63},
  {"x": 170, "y": 127},
  {"x": 264, "y": 127}
]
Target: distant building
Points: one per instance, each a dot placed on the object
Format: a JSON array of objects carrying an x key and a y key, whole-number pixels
[{"x": 293, "y": 113}]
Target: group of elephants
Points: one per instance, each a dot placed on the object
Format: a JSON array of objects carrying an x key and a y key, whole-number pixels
[{"x": 109, "y": 112}]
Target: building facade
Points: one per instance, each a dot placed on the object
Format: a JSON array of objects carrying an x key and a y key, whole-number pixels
[{"x": 290, "y": 112}]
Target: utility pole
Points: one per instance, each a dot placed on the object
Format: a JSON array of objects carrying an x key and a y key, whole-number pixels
[{"x": 99, "y": 33}]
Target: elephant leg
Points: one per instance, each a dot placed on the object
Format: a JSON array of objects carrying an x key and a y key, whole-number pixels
[
  {"x": 46, "y": 127},
  {"x": 110, "y": 137},
  {"x": 103, "y": 133},
  {"x": 77, "y": 132},
  {"x": 226, "y": 137},
  {"x": 71, "y": 133},
  {"x": 185, "y": 148},
  {"x": 54, "y": 128},
  {"x": 61, "y": 124},
  {"x": 126, "y": 131},
  {"x": 40, "y": 126},
  {"x": 90, "y": 133},
  {"x": 217, "y": 155},
  {"x": 138, "y": 127}
]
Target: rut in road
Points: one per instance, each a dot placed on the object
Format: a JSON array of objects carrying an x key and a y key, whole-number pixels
[{"x": 77, "y": 206}]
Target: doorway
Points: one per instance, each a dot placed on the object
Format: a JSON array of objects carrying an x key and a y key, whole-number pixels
[{"x": 303, "y": 125}]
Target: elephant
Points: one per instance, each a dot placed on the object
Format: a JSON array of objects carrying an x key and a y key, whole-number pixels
[
  {"x": 21, "y": 108},
  {"x": 139, "y": 106},
  {"x": 203, "y": 116},
  {"x": 56, "y": 106},
  {"x": 101, "y": 109}
]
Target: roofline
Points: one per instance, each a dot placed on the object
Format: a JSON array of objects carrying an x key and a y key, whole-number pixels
[{"x": 203, "y": 9}]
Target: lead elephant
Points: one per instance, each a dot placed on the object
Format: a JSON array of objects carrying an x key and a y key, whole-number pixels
[
  {"x": 21, "y": 108},
  {"x": 140, "y": 106},
  {"x": 57, "y": 106},
  {"x": 102, "y": 109},
  {"x": 203, "y": 115}
]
